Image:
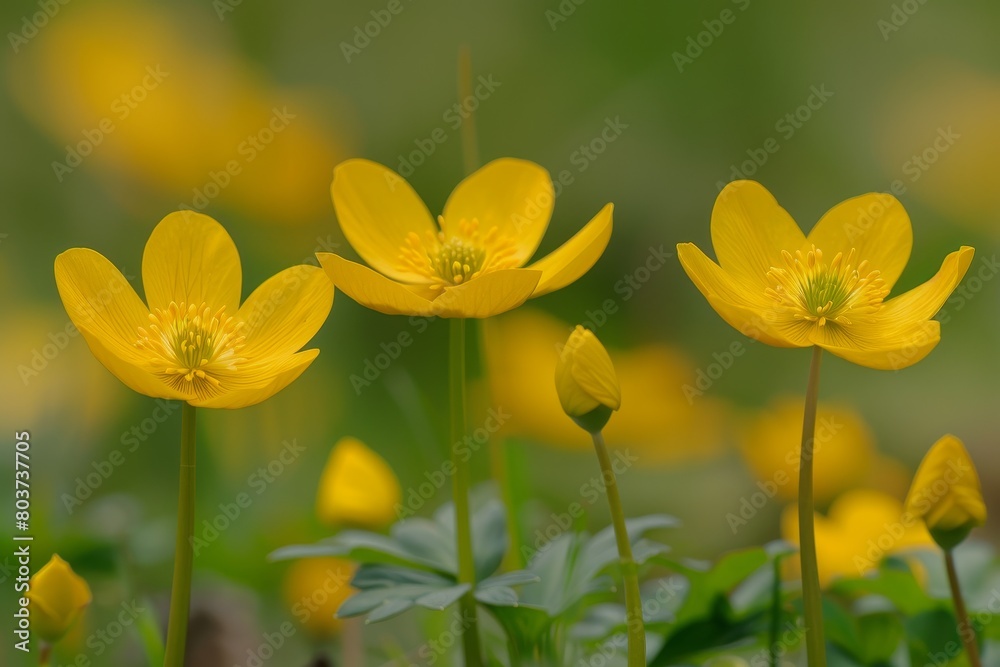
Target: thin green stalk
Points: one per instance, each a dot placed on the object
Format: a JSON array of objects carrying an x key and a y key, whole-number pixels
[
  {"x": 460, "y": 493},
  {"x": 630, "y": 573},
  {"x": 811, "y": 598},
  {"x": 44, "y": 654},
  {"x": 965, "y": 629},
  {"x": 180, "y": 593},
  {"x": 772, "y": 645}
]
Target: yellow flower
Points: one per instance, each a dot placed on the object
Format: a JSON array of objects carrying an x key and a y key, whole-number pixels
[
  {"x": 657, "y": 422},
  {"x": 586, "y": 381},
  {"x": 946, "y": 493},
  {"x": 470, "y": 264},
  {"x": 357, "y": 487},
  {"x": 778, "y": 286},
  {"x": 191, "y": 340},
  {"x": 58, "y": 597},
  {"x": 844, "y": 449},
  {"x": 314, "y": 589},
  {"x": 862, "y": 527}
]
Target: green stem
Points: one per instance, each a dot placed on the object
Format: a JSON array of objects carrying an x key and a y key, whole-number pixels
[
  {"x": 811, "y": 596},
  {"x": 460, "y": 493},
  {"x": 965, "y": 629},
  {"x": 44, "y": 654},
  {"x": 630, "y": 573},
  {"x": 775, "y": 613},
  {"x": 180, "y": 593}
]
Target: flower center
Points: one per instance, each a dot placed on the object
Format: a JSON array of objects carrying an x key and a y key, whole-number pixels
[
  {"x": 192, "y": 349},
  {"x": 445, "y": 261},
  {"x": 810, "y": 290}
]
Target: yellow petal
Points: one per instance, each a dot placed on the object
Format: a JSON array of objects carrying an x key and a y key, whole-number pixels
[
  {"x": 256, "y": 391},
  {"x": 740, "y": 306},
  {"x": 371, "y": 289},
  {"x": 357, "y": 488},
  {"x": 885, "y": 348},
  {"x": 749, "y": 231},
  {"x": 107, "y": 311},
  {"x": 487, "y": 295},
  {"x": 286, "y": 311},
  {"x": 189, "y": 257},
  {"x": 572, "y": 259},
  {"x": 377, "y": 210},
  {"x": 314, "y": 589},
  {"x": 875, "y": 225},
  {"x": 515, "y": 196},
  {"x": 924, "y": 301},
  {"x": 593, "y": 370}
]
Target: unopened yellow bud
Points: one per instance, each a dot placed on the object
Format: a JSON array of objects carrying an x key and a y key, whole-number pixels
[
  {"x": 357, "y": 488},
  {"x": 586, "y": 381},
  {"x": 57, "y": 597}
]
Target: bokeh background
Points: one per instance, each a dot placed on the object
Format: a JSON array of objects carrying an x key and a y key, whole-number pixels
[{"x": 116, "y": 113}]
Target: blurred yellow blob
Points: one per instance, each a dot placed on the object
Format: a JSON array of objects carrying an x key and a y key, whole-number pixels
[
  {"x": 586, "y": 382},
  {"x": 58, "y": 597},
  {"x": 151, "y": 99},
  {"x": 357, "y": 488},
  {"x": 314, "y": 589},
  {"x": 861, "y": 528},
  {"x": 656, "y": 420},
  {"x": 946, "y": 494},
  {"x": 844, "y": 448},
  {"x": 939, "y": 138}
]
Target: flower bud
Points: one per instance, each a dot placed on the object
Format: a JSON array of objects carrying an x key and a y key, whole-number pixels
[
  {"x": 58, "y": 597},
  {"x": 586, "y": 381},
  {"x": 946, "y": 494},
  {"x": 357, "y": 488},
  {"x": 314, "y": 589}
]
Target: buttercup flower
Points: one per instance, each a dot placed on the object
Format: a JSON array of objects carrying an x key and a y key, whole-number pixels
[
  {"x": 58, "y": 597},
  {"x": 357, "y": 487},
  {"x": 861, "y": 527},
  {"x": 946, "y": 493},
  {"x": 471, "y": 263},
  {"x": 314, "y": 589},
  {"x": 828, "y": 289},
  {"x": 191, "y": 340},
  {"x": 586, "y": 382}
]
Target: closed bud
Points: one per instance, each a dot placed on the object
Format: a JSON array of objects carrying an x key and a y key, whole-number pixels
[
  {"x": 58, "y": 597},
  {"x": 946, "y": 493},
  {"x": 586, "y": 381}
]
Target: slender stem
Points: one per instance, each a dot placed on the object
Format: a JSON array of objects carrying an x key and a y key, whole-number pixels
[
  {"x": 180, "y": 593},
  {"x": 965, "y": 629},
  {"x": 352, "y": 647},
  {"x": 772, "y": 645},
  {"x": 470, "y": 146},
  {"x": 44, "y": 654},
  {"x": 460, "y": 493},
  {"x": 630, "y": 573},
  {"x": 811, "y": 597}
]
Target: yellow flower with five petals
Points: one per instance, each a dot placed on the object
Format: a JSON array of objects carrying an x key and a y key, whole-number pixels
[
  {"x": 473, "y": 262},
  {"x": 829, "y": 289},
  {"x": 192, "y": 340}
]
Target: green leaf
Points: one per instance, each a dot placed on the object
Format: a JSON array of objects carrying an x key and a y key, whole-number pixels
[
  {"x": 499, "y": 596},
  {"x": 389, "y": 609},
  {"x": 444, "y": 598},
  {"x": 515, "y": 578}
]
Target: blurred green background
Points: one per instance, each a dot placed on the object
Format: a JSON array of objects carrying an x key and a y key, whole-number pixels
[{"x": 117, "y": 113}]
